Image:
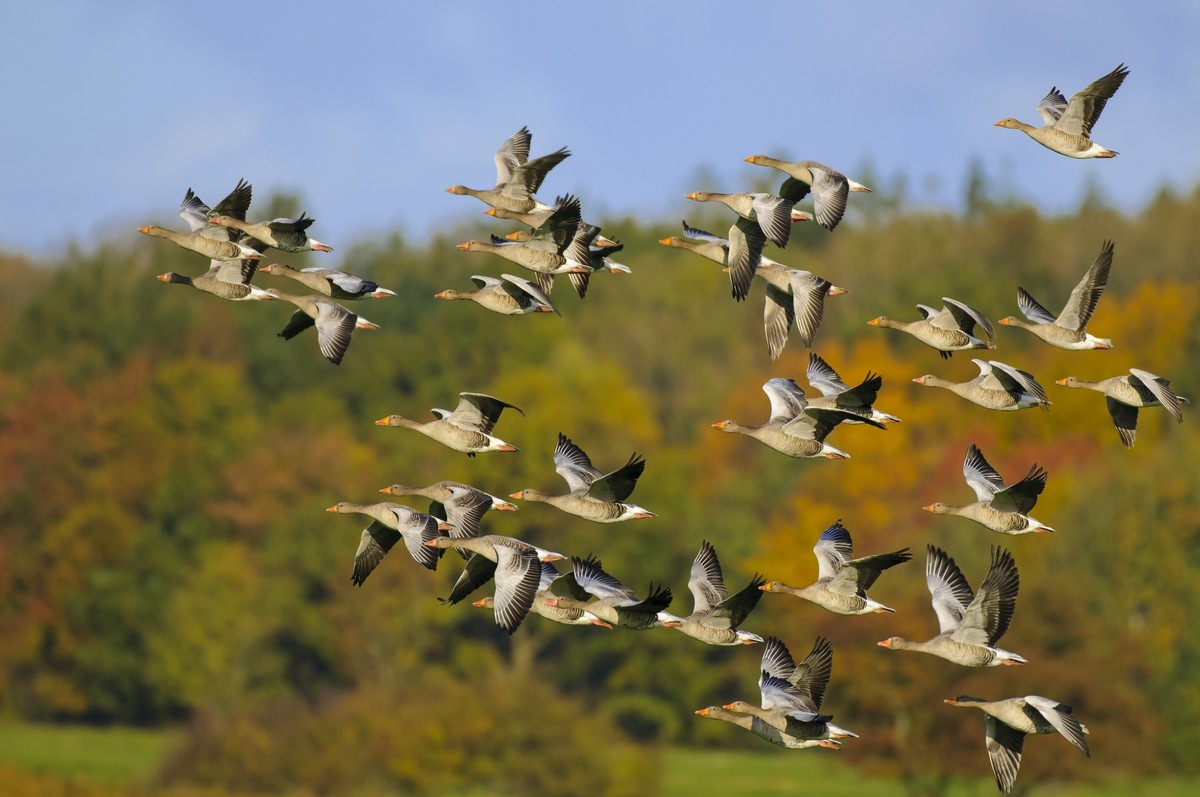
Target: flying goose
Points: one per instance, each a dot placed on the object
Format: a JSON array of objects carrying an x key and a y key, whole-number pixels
[
  {"x": 484, "y": 559},
  {"x": 517, "y": 177},
  {"x": 467, "y": 429},
  {"x": 328, "y": 282},
  {"x": 970, "y": 625},
  {"x": 615, "y": 603},
  {"x": 764, "y": 731},
  {"x": 791, "y": 694},
  {"x": 842, "y": 582},
  {"x": 335, "y": 324},
  {"x": 593, "y": 495},
  {"x": 286, "y": 235},
  {"x": 1066, "y": 330},
  {"x": 509, "y": 295},
  {"x": 1124, "y": 395},
  {"x": 829, "y": 187},
  {"x": 998, "y": 387},
  {"x": 860, "y": 398},
  {"x": 215, "y": 243},
  {"x": 552, "y": 583},
  {"x": 761, "y": 218},
  {"x": 1068, "y": 125},
  {"x": 948, "y": 330},
  {"x": 792, "y": 294},
  {"x": 999, "y": 507},
  {"x": 717, "y": 614},
  {"x": 462, "y": 505},
  {"x": 1007, "y": 722},
  {"x": 389, "y": 524},
  {"x": 795, "y": 428}
]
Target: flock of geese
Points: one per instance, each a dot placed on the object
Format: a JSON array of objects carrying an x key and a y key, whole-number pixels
[{"x": 557, "y": 241}]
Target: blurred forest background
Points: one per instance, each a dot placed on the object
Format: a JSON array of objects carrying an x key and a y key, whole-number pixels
[{"x": 166, "y": 561}]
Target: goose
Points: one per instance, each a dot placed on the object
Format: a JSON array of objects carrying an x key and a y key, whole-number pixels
[
  {"x": 717, "y": 614},
  {"x": 552, "y": 583},
  {"x": 567, "y": 235},
  {"x": 1007, "y": 722},
  {"x": 595, "y": 496},
  {"x": 215, "y": 243},
  {"x": 583, "y": 251},
  {"x": 1125, "y": 394},
  {"x": 327, "y": 282},
  {"x": 1068, "y": 125},
  {"x": 998, "y": 507},
  {"x": 764, "y": 731},
  {"x": 509, "y": 295},
  {"x": 830, "y": 188},
  {"x": 842, "y": 582},
  {"x": 1066, "y": 331},
  {"x": 517, "y": 177},
  {"x": 970, "y": 626},
  {"x": 948, "y": 330},
  {"x": 998, "y": 387},
  {"x": 390, "y": 523},
  {"x": 791, "y": 694},
  {"x": 286, "y": 235},
  {"x": 615, "y": 603},
  {"x": 335, "y": 324},
  {"x": 761, "y": 218},
  {"x": 792, "y": 294},
  {"x": 481, "y": 566},
  {"x": 825, "y": 380},
  {"x": 795, "y": 428},
  {"x": 516, "y": 570},
  {"x": 536, "y": 218},
  {"x": 555, "y": 249},
  {"x": 468, "y": 428},
  {"x": 221, "y": 280},
  {"x": 462, "y": 505}
]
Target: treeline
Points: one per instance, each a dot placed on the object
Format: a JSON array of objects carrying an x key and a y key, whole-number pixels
[{"x": 165, "y": 461}]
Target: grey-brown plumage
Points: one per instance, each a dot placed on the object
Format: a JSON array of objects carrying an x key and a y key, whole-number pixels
[
  {"x": 335, "y": 324},
  {"x": 1066, "y": 330},
  {"x": 286, "y": 235},
  {"x": 615, "y": 603},
  {"x": 1008, "y": 722},
  {"x": 484, "y": 558},
  {"x": 593, "y": 495},
  {"x": 970, "y": 625},
  {"x": 517, "y": 177},
  {"x": 1125, "y": 395},
  {"x": 761, "y": 218},
  {"x": 795, "y": 428},
  {"x": 999, "y": 507},
  {"x": 761, "y": 729},
  {"x": 1068, "y": 125},
  {"x": 716, "y": 614},
  {"x": 842, "y": 582},
  {"x": 329, "y": 282},
  {"x": 214, "y": 242},
  {"x": 793, "y": 296},
  {"x": 510, "y": 295},
  {"x": 948, "y": 330},
  {"x": 390, "y": 523},
  {"x": 468, "y": 428},
  {"x": 829, "y": 187},
  {"x": 998, "y": 387},
  {"x": 462, "y": 505},
  {"x": 792, "y": 694}
]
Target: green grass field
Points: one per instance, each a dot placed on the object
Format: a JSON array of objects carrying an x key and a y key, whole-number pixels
[
  {"x": 108, "y": 755},
  {"x": 129, "y": 756}
]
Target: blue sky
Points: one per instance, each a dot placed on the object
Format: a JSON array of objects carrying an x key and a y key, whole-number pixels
[{"x": 370, "y": 110}]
